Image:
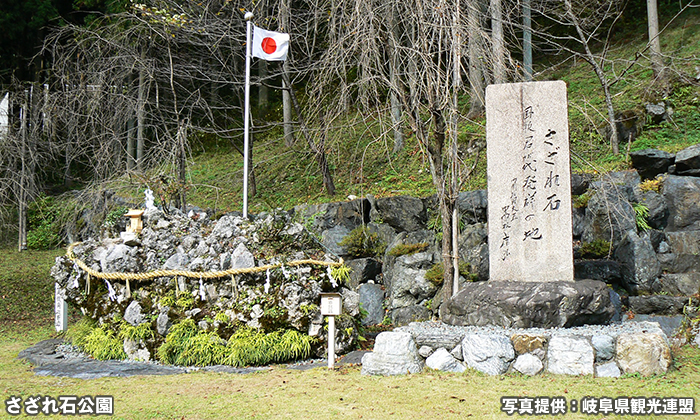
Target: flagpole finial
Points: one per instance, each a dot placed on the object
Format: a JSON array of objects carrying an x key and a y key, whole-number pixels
[{"x": 248, "y": 16}]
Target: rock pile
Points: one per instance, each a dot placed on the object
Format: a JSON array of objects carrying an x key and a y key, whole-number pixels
[{"x": 287, "y": 297}]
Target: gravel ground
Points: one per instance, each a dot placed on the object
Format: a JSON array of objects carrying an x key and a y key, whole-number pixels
[{"x": 614, "y": 330}]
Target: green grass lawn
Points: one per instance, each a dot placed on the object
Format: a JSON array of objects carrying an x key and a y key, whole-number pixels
[{"x": 283, "y": 393}]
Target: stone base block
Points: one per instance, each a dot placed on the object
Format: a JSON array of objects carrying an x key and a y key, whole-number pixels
[{"x": 526, "y": 305}]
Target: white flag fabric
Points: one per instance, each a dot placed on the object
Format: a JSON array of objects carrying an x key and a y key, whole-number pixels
[
  {"x": 270, "y": 46},
  {"x": 5, "y": 115}
]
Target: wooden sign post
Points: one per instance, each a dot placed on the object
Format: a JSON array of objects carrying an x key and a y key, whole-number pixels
[
  {"x": 60, "y": 310},
  {"x": 331, "y": 305}
]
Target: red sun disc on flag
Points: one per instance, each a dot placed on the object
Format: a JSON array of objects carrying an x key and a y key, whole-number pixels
[{"x": 269, "y": 45}]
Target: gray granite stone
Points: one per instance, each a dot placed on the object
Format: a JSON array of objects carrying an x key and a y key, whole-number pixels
[
  {"x": 528, "y": 364},
  {"x": 608, "y": 370},
  {"x": 372, "y": 301},
  {"x": 442, "y": 360},
  {"x": 488, "y": 353},
  {"x": 604, "y": 346},
  {"x": 529, "y": 182},
  {"x": 395, "y": 353},
  {"x": 133, "y": 314},
  {"x": 570, "y": 355}
]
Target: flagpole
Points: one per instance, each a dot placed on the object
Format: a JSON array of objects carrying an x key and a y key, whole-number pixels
[{"x": 246, "y": 123}]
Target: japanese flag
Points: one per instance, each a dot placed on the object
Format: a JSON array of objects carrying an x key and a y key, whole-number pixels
[{"x": 270, "y": 46}]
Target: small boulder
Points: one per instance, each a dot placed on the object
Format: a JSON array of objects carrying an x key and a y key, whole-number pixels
[
  {"x": 403, "y": 213},
  {"x": 651, "y": 162},
  {"x": 656, "y": 112},
  {"x": 362, "y": 270},
  {"x": 608, "y": 370},
  {"x": 682, "y": 195},
  {"x": 425, "y": 351},
  {"x": 331, "y": 239},
  {"x": 442, "y": 360},
  {"x": 395, "y": 353},
  {"x": 133, "y": 314},
  {"x": 528, "y": 364},
  {"x": 688, "y": 159},
  {"x": 527, "y": 343},
  {"x": 473, "y": 206},
  {"x": 408, "y": 314},
  {"x": 163, "y": 322},
  {"x": 570, "y": 355},
  {"x": 684, "y": 248},
  {"x": 640, "y": 266},
  {"x": 608, "y": 215},
  {"x": 607, "y": 271},
  {"x": 488, "y": 353},
  {"x": 681, "y": 284},
  {"x": 657, "y": 304},
  {"x": 580, "y": 183},
  {"x": 434, "y": 337},
  {"x": 242, "y": 258},
  {"x": 643, "y": 353},
  {"x": 604, "y": 346}
]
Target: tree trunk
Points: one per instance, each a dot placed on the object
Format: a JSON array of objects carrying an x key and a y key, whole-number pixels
[
  {"x": 140, "y": 118},
  {"x": 182, "y": 167},
  {"x": 396, "y": 116},
  {"x": 286, "y": 100},
  {"x": 318, "y": 150},
  {"x": 475, "y": 74},
  {"x": 527, "y": 40},
  {"x": 590, "y": 58},
  {"x": 499, "y": 64},
  {"x": 614, "y": 140},
  {"x": 130, "y": 145},
  {"x": 394, "y": 83},
  {"x": 448, "y": 245},
  {"x": 454, "y": 138},
  {"x": 287, "y": 111},
  {"x": 654, "y": 41},
  {"x": 263, "y": 91}
]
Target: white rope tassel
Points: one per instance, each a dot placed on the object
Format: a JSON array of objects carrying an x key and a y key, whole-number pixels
[
  {"x": 330, "y": 276},
  {"x": 267, "y": 282},
  {"x": 111, "y": 294},
  {"x": 202, "y": 295}
]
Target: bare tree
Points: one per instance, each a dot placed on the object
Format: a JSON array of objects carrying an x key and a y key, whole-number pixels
[
  {"x": 589, "y": 22},
  {"x": 417, "y": 56},
  {"x": 25, "y": 151}
]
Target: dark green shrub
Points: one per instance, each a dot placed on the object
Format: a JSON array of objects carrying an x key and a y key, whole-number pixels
[
  {"x": 596, "y": 249},
  {"x": 408, "y": 249},
  {"x": 361, "y": 242}
]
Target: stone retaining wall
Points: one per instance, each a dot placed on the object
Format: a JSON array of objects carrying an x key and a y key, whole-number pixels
[{"x": 602, "y": 351}]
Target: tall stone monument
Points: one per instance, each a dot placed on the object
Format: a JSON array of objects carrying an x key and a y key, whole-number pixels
[
  {"x": 531, "y": 259},
  {"x": 529, "y": 182}
]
